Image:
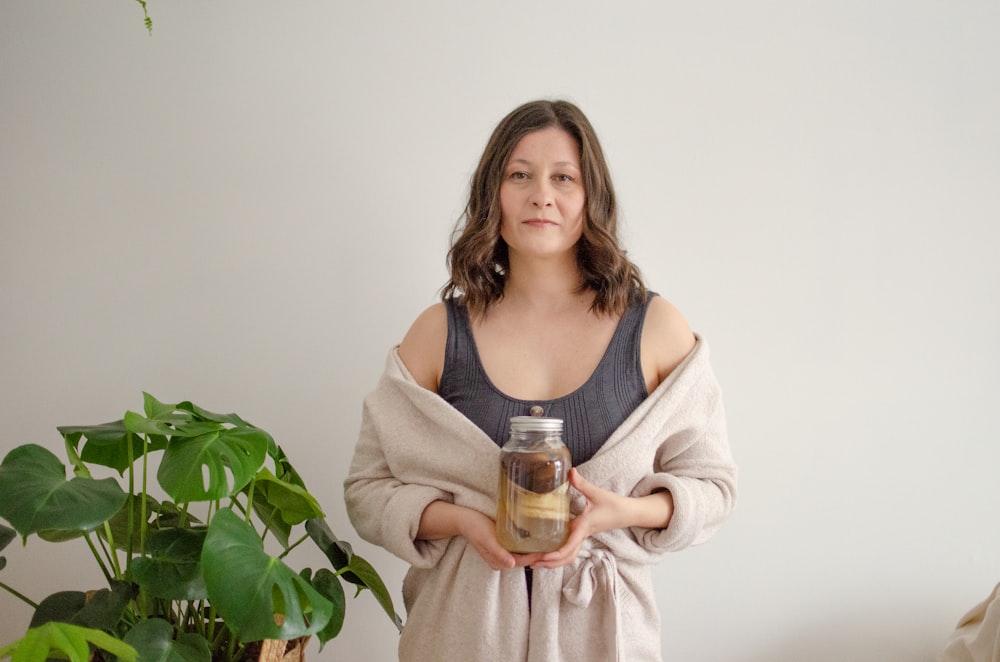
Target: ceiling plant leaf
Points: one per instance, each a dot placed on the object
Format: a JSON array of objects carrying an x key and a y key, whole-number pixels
[
  {"x": 171, "y": 568},
  {"x": 249, "y": 588},
  {"x": 153, "y": 640},
  {"x": 199, "y": 468},
  {"x": 35, "y": 495}
]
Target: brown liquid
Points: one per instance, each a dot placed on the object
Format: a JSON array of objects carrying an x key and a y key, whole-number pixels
[{"x": 533, "y": 508}]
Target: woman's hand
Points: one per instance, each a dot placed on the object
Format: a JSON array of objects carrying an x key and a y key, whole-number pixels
[
  {"x": 442, "y": 519},
  {"x": 480, "y": 532},
  {"x": 606, "y": 510}
]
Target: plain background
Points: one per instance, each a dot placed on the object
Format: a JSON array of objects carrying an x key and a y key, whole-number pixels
[{"x": 248, "y": 208}]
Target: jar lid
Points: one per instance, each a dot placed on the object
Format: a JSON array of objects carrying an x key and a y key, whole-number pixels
[{"x": 536, "y": 424}]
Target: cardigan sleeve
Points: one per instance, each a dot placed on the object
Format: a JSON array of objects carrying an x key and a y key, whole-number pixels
[
  {"x": 384, "y": 510},
  {"x": 695, "y": 464}
]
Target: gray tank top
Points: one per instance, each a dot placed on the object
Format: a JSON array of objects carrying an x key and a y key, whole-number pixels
[{"x": 590, "y": 414}]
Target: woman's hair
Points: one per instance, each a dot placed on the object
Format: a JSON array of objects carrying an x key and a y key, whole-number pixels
[{"x": 478, "y": 260}]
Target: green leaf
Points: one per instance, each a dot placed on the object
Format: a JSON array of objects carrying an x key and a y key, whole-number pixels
[
  {"x": 199, "y": 468},
  {"x": 99, "y": 609},
  {"x": 205, "y": 415},
  {"x": 154, "y": 641},
  {"x": 270, "y": 516},
  {"x": 355, "y": 569},
  {"x": 330, "y": 586},
  {"x": 338, "y": 551},
  {"x": 139, "y": 424},
  {"x": 107, "y": 444},
  {"x": 35, "y": 495},
  {"x": 59, "y": 607},
  {"x": 249, "y": 588},
  {"x": 291, "y": 502},
  {"x": 71, "y": 641},
  {"x": 171, "y": 568},
  {"x": 121, "y": 530},
  {"x": 6, "y": 535},
  {"x": 371, "y": 580}
]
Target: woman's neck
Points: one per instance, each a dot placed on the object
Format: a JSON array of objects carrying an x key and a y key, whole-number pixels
[{"x": 544, "y": 284}]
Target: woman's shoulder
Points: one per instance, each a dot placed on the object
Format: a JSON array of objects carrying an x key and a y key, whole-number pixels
[
  {"x": 422, "y": 348},
  {"x": 666, "y": 340}
]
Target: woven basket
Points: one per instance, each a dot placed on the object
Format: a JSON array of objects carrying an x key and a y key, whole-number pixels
[{"x": 278, "y": 650}]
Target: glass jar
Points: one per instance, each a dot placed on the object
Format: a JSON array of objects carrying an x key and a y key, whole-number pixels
[{"x": 533, "y": 504}]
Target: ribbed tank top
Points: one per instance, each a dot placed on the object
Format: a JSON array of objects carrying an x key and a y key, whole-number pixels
[{"x": 590, "y": 413}]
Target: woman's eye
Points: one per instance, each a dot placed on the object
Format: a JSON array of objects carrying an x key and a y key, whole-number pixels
[
  {"x": 518, "y": 175},
  {"x": 563, "y": 178}
]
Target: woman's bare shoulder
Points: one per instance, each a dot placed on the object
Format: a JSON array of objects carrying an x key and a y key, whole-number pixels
[
  {"x": 666, "y": 340},
  {"x": 422, "y": 349}
]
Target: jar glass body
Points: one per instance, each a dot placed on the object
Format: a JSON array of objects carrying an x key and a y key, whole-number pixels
[{"x": 533, "y": 503}]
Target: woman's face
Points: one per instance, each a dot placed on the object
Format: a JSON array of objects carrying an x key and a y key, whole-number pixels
[{"x": 542, "y": 197}]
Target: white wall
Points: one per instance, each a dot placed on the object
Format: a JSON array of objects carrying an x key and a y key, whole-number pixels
[{"x": 248, "y": 207}]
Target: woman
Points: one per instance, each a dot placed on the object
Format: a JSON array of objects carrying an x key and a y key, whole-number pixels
[{"x": 543, "y": 315}]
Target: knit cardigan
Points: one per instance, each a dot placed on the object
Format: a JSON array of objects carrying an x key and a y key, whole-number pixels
[{"x": 415, "y": 448}]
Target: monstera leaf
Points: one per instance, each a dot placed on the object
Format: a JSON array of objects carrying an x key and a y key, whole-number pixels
[
  {"x": 171, "y": 568},
  {"x": 154, "y": 641},
  {"x": 213, "y": 465},
  {"x": 72, "y": 642},
  {"x": 249, "y": 588},
  {"x": 352, "y": 567},
  {"x": 281, "y": 504},
  {"x": 35, "y": 495}
]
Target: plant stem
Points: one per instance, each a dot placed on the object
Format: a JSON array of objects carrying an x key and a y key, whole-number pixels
[
  {"x": 130, "y": 502},
  {"x": 295, "y": 544},
  {"x": 97, "y": 557},
  {"x": 110, "y": 550},
  {"x": 20, "y": 596}
]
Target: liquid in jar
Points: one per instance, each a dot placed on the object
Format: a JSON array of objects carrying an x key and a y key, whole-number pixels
[{"x": 533, "y": 504}]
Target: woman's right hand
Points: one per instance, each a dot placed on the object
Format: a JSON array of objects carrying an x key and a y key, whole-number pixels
[
  {"x": 480, "y": 532},
  {"x": 441, "y": 519}
]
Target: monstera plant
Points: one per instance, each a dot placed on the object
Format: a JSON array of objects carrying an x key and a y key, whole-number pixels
[{"x": 182, "y": 526}]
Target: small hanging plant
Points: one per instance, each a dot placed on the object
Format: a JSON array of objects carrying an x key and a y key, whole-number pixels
[{"x": 148, "y": 21}]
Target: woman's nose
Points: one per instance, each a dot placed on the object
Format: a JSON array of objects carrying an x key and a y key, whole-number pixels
[{"x": 541, "y": 194}]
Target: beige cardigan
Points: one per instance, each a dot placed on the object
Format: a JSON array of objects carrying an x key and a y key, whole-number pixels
[{"x": 415, "y": 448}]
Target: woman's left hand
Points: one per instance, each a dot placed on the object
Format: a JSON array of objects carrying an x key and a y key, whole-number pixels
[{"x": 606, "y": 510}]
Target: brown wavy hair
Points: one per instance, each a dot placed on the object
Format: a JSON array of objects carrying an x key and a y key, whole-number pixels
[{"x": 478, "y": 261}]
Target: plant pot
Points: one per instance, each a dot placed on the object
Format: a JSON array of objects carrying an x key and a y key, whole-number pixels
[{"x": 279, "y": 650}]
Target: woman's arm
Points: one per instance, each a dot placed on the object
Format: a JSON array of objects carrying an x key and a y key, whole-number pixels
[
  {"x": 666, "y": 341},
  {"x": 422, "y": 349}
]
